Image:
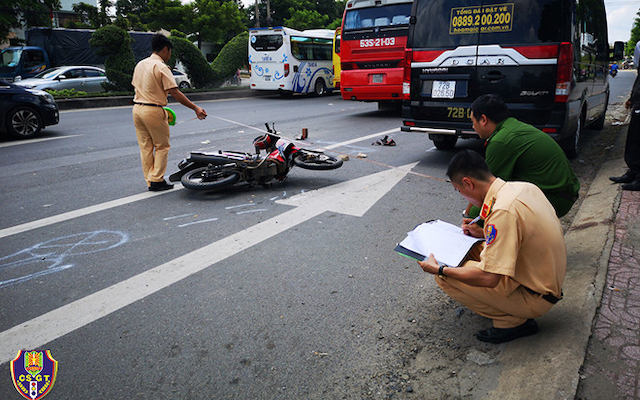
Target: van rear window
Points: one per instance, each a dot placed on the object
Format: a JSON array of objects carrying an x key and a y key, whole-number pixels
[
  {"x": 266, "y": 42},
  {"x": 453, "y": 23}
]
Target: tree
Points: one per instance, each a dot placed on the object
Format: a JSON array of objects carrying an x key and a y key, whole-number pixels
[
  {"x": 115, "y": 43},
  {"x": 89, "y": 16},
  {"x": 16, "y": 13},
  {"x": 167, "y": 14},
  {"x": 306, "y": 19},
  {"x": 215, "y": 21},
  {"x": 635, "y": 35}
]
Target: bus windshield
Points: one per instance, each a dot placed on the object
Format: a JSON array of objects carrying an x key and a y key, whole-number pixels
[{"x": 390, "y": 16}]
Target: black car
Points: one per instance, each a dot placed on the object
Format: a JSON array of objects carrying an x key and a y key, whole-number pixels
[
  {"x": 25, "y": 112},
  {"x": 548, "y": 60}
]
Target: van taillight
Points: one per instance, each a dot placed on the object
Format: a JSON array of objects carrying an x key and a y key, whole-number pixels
[
  {"x": 286, "y": 70},
  {"x": 406, "y": 76},
  {"x": 565, "y": 72}
]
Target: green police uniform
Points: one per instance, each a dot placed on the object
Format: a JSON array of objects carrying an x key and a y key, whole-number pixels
[{"x": 520, "y": 152}]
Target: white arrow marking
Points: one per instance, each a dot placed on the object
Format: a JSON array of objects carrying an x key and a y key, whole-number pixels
[{"x": 353, "y": 197}]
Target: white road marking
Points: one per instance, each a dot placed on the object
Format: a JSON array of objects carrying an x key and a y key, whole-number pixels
[
  {"x": 126, "y": 200},
  {"x": 352, "y": 197},
  {"x": 29, "y": 141},
  {"x": 80, "y": 212}
]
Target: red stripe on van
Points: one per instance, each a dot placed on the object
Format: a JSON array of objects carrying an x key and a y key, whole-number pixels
[{"x": 537, "y": 52}]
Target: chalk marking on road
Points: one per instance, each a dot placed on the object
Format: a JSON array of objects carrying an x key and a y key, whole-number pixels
[
  {"x": 52, "y": 254},
  {"x": 115, "y": 203},
  {"x": 251, "y": 211},
  {"x": 354, "y": 197},
  {"x": 239, "y": 206},
  {"x": 176, "y": 217},
  {"x": 54, "y": 219},
  {"x": 29, "y": 141},
  {"x": 198, "y": 222}
]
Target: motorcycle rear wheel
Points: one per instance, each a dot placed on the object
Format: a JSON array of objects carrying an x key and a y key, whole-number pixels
[
  {"x": 223, "y": 178},
  {"x": 308, "y": 159}
]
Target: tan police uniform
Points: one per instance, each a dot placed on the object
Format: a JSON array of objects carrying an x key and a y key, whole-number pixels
[
  {"x": 152, "y": 80},
  {"x": 524, "y": 242}
]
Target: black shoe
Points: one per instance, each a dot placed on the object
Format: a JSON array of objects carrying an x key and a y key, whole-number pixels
[
  {"x": 159, "y": 186},
  {"x": 501, "y": 335},
  {"x": 634, "y": 186},
  {"x": 628, "y": 177}
]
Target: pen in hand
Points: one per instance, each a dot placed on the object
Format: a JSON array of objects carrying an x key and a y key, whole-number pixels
[{"x": 475, "y": 220}]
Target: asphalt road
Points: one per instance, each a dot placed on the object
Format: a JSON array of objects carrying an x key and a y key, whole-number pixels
[
  {"x": 190, "y": 295},
  {"x": 291, "y": 291}
]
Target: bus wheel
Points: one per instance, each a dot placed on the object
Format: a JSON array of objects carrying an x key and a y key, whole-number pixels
[{"x": 320, "y": 89}]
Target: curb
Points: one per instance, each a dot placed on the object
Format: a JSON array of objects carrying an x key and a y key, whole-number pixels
[
  {"x": 118, "y": 101},
  {"x": 547, "y": 366}
]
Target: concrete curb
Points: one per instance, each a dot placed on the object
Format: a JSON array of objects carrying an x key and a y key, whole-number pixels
[
  {"x": 117, "y": 101},
  {"x": 547, "y": 365}
]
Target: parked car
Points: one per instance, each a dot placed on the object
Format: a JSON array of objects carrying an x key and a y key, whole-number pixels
[
  {"x": 81, "y": 78},
  {"x": 25, "y": 112},
  {"x": 182, "y": 79}
]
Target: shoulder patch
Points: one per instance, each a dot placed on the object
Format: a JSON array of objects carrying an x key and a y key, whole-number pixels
[{"x": 490, "y": 233}]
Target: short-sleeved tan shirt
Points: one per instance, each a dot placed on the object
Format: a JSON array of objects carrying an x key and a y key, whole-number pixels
[
  {"x": 524, "y": 239},
  {"x": 152, "y": 80}
]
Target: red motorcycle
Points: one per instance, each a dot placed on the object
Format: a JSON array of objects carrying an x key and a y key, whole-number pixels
[{"x": 207, "y": 171}]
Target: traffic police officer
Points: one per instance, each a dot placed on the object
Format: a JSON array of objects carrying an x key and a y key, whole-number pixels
[
  {"x": 519, "y": 272},
  {"x": 152, "y": 80}
]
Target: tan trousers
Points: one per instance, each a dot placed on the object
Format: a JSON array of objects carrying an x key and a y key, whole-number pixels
[
  {"x": 152, "y": 130},
  {"x": 505, "y": 311}
]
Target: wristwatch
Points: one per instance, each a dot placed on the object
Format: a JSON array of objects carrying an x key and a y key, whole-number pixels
[{"x": 441, "y": 271}]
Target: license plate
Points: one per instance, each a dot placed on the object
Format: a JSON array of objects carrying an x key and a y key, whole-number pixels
[
  {"x": 443, "y": 89},
  {"x": 267, "y": 78},
  {"x": 377, "y": 78}
]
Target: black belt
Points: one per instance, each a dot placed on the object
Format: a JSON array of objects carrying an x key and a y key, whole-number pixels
[
  {"x": 548, "y": 297},
  {"x": 148, "y": 104}
]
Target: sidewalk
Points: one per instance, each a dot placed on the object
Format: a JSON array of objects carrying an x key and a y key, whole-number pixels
[
  {"x": 550, "y": 365},
  {"x": 612, "y": 363}
]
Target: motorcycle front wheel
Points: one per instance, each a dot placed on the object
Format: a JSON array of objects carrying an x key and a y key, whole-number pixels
[
  {"x": 308, "y": 159},
  {"x": 197, "y": 180}
]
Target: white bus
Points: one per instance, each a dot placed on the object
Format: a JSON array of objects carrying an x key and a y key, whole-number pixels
[{"x": 291, "y": 61}]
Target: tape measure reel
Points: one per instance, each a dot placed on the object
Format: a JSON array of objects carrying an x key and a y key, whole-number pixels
[{"x": 171, "y": 116}]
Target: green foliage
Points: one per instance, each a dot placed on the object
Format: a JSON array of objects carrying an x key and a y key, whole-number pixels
[
  {"x": 306, "y": 19},
  {"x": 635, "y": 36},
  {"x": 303, "y": 14},
  {"x": 167, "y": 14},
  {"x": 16, "y": 13},
  {"x": 67, "y": 93},
  {"x": 232, "y": 57},
  {"x": 115, "y": 43},
  {"x": 215, "y": 21},
  {"x": 88, "y": 14},
  {"x": 196, "y": 67}
]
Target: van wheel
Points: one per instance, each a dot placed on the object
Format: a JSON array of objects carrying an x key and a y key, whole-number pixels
[
  {"x": 444, "y": 142},
  {"x": 320, "y": 89},
  {"x": 571, "y": 145}
]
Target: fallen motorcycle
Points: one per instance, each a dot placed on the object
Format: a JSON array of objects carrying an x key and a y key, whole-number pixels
[{"x": 208, "y": 171}]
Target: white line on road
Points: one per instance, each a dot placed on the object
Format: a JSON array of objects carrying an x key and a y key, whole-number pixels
[
  {"x": 80, "y": 213},
  {"x": 19, "y": 142},
  {"x": 352, "y": 197},
  {"x": 126, "y": 200}
]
